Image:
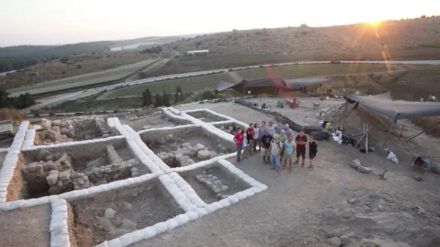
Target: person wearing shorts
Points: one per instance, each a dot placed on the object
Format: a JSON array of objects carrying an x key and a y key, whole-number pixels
[
  {"x": 275, "y": 150},
  {"x": 266, "y": 139},
  {"x": 301, "y": 141},
  {"x": 289, "y": 151}
]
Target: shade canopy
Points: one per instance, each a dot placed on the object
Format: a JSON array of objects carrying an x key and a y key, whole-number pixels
[{"x": 399, "y": 109}]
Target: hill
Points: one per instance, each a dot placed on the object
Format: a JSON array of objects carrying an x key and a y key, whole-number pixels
[{"x": 400, "y": 39}]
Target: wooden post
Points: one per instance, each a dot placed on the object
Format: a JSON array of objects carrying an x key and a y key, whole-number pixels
[
  {"x": 388, "y": 133},
  {"x": 401, "y": 131}
]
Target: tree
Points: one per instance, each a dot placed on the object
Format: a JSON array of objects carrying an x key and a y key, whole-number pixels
[
  {"x": 3, "y": 97},
  {"x": 165, "y": 98},
  {"x": 179, "y": 94},
  {"x": 146, "y": 98},
  {"x": 158, "y": 100}
]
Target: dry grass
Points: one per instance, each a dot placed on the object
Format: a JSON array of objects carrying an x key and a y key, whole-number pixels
[{"x": 73, "y": 66}]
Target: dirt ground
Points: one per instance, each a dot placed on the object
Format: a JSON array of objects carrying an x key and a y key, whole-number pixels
[
  {"x": 26, "y": 227},
  {"x": 325, "y": 206},
  {"x": 91, "y": 226},
  {"x": 154, "y": 120},
  {"x": 234, "y": 183}
]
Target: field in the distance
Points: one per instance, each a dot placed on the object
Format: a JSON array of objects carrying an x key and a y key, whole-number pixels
[
  {"x": 83, "y": 80},
  {"x": 208, "y": 82}
]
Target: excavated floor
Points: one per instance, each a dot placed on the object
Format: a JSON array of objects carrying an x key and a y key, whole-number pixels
[{"x": 111, "y": 214}]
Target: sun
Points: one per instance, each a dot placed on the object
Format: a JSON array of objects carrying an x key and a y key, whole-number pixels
[{"x": 374, "y": 23}]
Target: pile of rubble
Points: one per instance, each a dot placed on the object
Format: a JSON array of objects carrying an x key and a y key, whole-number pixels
[
  {"x": 57, "y": 131},
  {"x": 213, "y": 183},
  {"x": 114, "y": 223},
  {"x": 57, "y": 172},
  {"x": 187, "y": 153},
  {"x": 230, "y": 128}
]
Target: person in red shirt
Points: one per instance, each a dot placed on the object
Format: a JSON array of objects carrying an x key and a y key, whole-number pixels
[
  {"x": 301, "y": 141},
  {"x": 238, "y": 139},
  {"x": 250, "y": 136}
]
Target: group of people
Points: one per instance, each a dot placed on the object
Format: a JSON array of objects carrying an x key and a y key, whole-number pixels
[{"x": 276, "y": 143}]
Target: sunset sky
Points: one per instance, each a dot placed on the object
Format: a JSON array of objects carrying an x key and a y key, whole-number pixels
[{"x": 60, "y": 22}]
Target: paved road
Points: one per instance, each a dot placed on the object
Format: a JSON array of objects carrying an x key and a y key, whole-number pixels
[{"x": 54, "y": 100}]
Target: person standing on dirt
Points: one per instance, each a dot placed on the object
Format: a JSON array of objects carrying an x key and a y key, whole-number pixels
[
  {"x": 250, "y": 137},
  {"x": 256, "y": 137},
  {"x": 278, "y": 128},
  {"x": 266, "y": 139},
  {"x": 271, "y": 129},
  {"x": 313, "y": 150},
  {"x": 301, "y": 141},
  {"x": 275, "y": 151},
  {"x": 262, "y": 131},
  {"x": 238, "y": 139},
  {"x": 288, "y": 130},
  {"x": 289, "y": 151}
]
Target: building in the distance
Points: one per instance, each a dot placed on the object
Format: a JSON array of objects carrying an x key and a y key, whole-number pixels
[{"x": 197, "y": 52}]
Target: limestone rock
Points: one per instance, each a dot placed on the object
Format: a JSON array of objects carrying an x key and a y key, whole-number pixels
[
  {"x": 52, "y": 178},
  {"x": 51, "y": 135},
  {"x": 64, "y": 175},
  {"x": 199, "y": 146},
  {"x": 56, "y": 122},
  {"x": 335, "y": 241},
  {"x": 109, "y": 213},
  {"x": 46, "y": 124},
  {"x": 127, "y": 206},
  {"x": 356, "y": 164},
  {"x": 203, "y": 154}
]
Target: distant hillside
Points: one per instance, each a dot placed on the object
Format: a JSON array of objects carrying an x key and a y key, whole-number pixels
[
  {"x": 17, "y": 57},
  {"x": 403, "y": 39}
]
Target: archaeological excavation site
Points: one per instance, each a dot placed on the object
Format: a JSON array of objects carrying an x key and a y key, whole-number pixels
[
  {"x": 117, "y": 181},
  {"x": 171, "y": 178}
]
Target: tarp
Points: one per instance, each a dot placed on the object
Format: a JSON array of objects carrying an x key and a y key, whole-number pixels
[
  {"x": 399, "y": 109},
  {"x": 223, "y": 85},
  {"x": 292, "y": 84}
]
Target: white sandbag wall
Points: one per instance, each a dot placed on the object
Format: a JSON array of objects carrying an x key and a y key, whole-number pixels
[
  {"x": 11, "y": 159},
  {"x": 29, "y": 138},
  {"x": 59, "y": 228},
  {"x": 181, "y": 191}
]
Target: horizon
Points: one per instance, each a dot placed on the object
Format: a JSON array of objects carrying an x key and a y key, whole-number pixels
[{"x": 50, "y": 22}]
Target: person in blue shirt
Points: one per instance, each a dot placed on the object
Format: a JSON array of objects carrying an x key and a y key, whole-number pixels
[
  {"x": 287, "y": 129},
  {"x": 278, "y": 128},
  {"x": 289, "y": 151},
  {"x": 271, "y": 129}
]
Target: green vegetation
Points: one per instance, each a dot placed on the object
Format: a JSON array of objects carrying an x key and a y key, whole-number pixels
[
  {"x": 156, "y": 49},
  {"x": 20, "y": 102},
  {"x": 83, "y": 80},
  {"x": 178, "y": 96},
  {"x": 146, "y": 98},
  {"x": 310, "y": 70},
  {"x": 17, "y": 57},
  {"x": 432, "y": 45}
]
